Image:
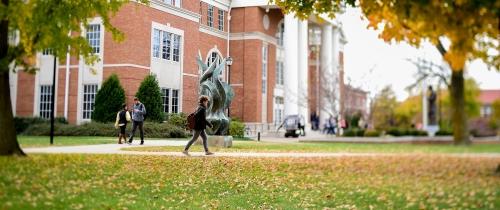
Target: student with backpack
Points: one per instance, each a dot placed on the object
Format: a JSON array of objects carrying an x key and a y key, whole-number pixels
[
  {"x": 122, "y": 118},
  {"x": 138, "y": 113},
  {"x": 200, "y": 123}
]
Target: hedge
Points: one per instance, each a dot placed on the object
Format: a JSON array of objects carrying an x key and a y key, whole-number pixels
[
  {"x": 151, "y": 130},
  {"x": 22, "y": 123}
]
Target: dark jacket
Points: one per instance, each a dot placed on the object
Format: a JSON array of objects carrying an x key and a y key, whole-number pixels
[{"x": 200, "y": 118}]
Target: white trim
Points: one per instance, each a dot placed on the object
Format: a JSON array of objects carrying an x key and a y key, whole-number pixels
[
  {"x": 216, "y": 50},
  {"x": 125, "y": 65},
  {"x": 13, "y": 90},
  {"x": 180, "y": 12},
  {"x": 221, "y": 4},
  {"x": 250, "y": 3},
  {"x": 254, "y": 35},
  {"x": 166, "y": 27},
  {"x": 213, "y": 31},
  {"x": 237, "y": 85},
  {"x": 190, "y": 75}
]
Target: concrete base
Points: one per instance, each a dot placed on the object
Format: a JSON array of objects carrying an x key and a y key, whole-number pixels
[
  {"x": 432, "y": 129},
  {"x": 218, "y": 141}
]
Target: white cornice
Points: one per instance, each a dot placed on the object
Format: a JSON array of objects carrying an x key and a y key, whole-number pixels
[
  {"x": 212, "y": 31},
  {"x": 180, "y": 12},
  {"x": 254, "y": 35},
  {"x": 221, "y": 4},
  {"x": 249, "y": 3}
]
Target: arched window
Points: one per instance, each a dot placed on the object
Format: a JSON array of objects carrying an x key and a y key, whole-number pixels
[
  {"x": 281, "y": 33},
  {"x": 212, "y": 57}
]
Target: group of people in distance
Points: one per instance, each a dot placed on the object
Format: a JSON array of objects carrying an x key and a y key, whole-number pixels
[{"x": 137, "y": 116}]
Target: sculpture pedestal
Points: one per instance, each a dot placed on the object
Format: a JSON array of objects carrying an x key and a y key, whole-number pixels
[
  {"x": 432, "y": 129},
  {"x": 218, "y": 141}
]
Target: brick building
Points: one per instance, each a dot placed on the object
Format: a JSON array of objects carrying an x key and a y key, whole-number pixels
[{"x": 272, "y": 71}]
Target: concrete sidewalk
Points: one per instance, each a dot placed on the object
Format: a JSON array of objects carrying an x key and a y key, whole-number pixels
[{"x": 117, "y": 149}]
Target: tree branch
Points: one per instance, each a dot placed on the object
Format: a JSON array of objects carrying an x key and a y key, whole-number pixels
[{"x": 440, "y": 48}]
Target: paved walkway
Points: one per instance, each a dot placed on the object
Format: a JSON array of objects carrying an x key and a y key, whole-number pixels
[{"x": 116, "y": 149}]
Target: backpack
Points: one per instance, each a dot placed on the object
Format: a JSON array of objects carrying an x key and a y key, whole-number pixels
[{"x": 191, "y": 120}]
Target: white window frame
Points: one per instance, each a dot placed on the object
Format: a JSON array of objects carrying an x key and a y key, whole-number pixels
[
  {"x": 176, "y": 3},
  {"x": 265, "y": 53},
  {"x": 166, "y": 99},
  {"x": 279, "y": 73},
  {"x": 93, "y": 36},
  {"x": 210, "y": 16},
  {"x": 47, "y": 52},
  {"x": 45, "y": 101},
  {"x": 175, "y": 101},
  {"x": 88, "y": 100},
  {"x": 166, "y": 45},
  {"x": 221, "y": 19}
]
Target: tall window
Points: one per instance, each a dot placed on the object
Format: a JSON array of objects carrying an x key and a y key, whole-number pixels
[
  {"x": 278, "y": 111},
  {"x": 89, "y": 93},
  {"x": 45, "y": 101},
  {"x": 176, "y": 3},
  {"x": 94, "y": 37},
  {"x": 279, "y": 73},
  {"x": 221, "y": 20},
  {"x": 281, "y": 32},
  {"x": 165, "y": 95},
  {"x": 156, "y": 43},
  {"x": 177, "y": 47},
  {"x": 170, "y": 98},
  {"x": 175, "y": 101},
  {"x": 264, "y": 69},
  {"x": 166, "y": 45},
  {"x": 210, "y": 16},
  {"x": 47, "y": 51},
  {"x": 166, "y": 42}
]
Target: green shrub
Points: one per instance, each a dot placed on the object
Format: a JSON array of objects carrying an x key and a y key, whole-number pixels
[
  {"x": 177, "y": 119},
  {"x": 395, "y": 132},
  {"x": 444, "y": 132},
  {"x": 151, "y": 130},
  {"x": 236, "y": 128},
  {"x": 22, "y": 123},
  {"x": 354, "y": 132},
  {"x": 372, "y": 133},
  {"x": 109, "y": 100},
  {"x": 149, "y": 94}
]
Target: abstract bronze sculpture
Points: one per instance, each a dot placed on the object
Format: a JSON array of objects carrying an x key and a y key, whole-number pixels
[{"x": 219, "y": 92}]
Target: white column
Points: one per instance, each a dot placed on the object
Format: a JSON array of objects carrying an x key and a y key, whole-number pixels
[
  {"x": 291, "y": 65},
  {"x": 326, "y": 71},
  {"x": 303, "y": 55},
  {"x": 425, "y": 119}
]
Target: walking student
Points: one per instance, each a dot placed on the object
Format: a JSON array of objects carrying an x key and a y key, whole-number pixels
[
  {"x": 200, "y": 125},
  {"x": 122, "y": 118},
  {"x": 138, "y": 113}
]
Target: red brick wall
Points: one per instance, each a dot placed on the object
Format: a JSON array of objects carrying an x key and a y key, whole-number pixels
[
  {"x": 25, "y": 94},
  {"x": 130, "y": 79},
  {"x": 73, "y": 95}
]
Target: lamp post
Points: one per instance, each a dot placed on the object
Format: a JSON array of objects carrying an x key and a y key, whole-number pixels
[
  {"x": 52, "y": 101},
  {"x": 229, "y": 62}
]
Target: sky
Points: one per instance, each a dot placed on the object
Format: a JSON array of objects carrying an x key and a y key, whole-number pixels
[{"x": 371, "y": 63}]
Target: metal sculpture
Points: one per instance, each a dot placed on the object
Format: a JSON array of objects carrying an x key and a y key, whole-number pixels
[{"x": 219, "y": 92}]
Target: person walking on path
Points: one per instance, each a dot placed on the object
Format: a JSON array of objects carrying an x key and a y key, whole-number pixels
[
  {"x": 138, "y": 113},
  {"x": 200, "y": 125},
  {"x": 122, "y": 118}
]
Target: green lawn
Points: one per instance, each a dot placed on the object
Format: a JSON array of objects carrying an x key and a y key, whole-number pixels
[
  {"x": 44, "y": 141},
  {"x": 252, "y": 146},
  {"x": 154, "y": 182}
]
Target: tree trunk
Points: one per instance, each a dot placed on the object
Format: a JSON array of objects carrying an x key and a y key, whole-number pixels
[
  {"x": 459, "y": 117},
  {"x": 8, "y": 138}
]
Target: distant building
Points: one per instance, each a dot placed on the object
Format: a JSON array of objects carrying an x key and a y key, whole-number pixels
[
  {"x": 486, "y": 98},
  {"x": 271, "y": 74},
  {"x": 354, "y": 101}
]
